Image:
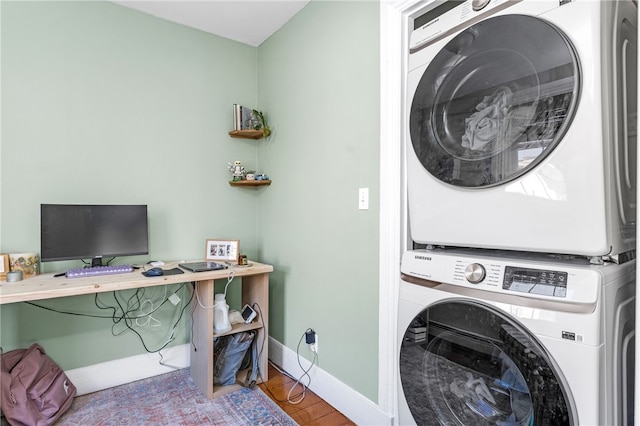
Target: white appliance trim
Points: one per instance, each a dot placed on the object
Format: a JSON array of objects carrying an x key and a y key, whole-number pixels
[
  {"x": 393, "y": 206},
  {"x": 391, "y": 190}
]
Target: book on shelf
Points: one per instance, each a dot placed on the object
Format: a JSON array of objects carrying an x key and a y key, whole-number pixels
[
  {"x": 247, "y": 114},
  {"x": 236, "y": 117},
  {"x": 242, "y": 117}
]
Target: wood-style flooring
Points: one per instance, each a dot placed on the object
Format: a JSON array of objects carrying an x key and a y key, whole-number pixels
[{"x": 311, "y": 411}]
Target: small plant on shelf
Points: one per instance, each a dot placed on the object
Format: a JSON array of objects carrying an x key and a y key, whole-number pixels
[{"x": 263, "y": 123}]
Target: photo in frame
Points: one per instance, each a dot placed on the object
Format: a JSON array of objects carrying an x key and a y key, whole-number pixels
[
  {"x": 4, "y": 266},
  {"x": 222, "y": 250}
]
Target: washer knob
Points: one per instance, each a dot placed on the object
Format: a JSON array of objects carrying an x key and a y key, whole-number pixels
[
  {"x": 479, "y": 4},
  {"x": 474, "y": 273}
]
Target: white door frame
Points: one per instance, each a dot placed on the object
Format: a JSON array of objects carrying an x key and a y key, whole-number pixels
[{"x": 394, "y": 35}]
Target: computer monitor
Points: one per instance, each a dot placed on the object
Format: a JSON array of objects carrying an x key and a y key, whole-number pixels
[{"x": 71, "y": 231}]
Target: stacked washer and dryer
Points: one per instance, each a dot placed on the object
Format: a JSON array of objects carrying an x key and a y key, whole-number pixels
[{"x": 517, "y": 298}]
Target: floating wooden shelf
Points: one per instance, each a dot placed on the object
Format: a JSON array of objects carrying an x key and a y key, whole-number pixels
[
  {"x": 247, "y": 134},
  {"x": 249, "y": 182}
]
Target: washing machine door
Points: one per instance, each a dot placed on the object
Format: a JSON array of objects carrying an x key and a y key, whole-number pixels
[
  {"x": 465, "y": 363},
  {"x": 494, "y": 101}
]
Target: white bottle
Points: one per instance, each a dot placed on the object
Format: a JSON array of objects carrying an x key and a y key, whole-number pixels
[{"x": 220, "y": 314}]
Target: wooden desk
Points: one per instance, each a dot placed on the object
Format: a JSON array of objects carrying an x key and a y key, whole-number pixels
[{"x": 255, "y": 289}]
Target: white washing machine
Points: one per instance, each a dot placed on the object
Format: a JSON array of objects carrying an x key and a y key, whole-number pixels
[
  {"x": 521, "y": 126},
  {"x": 514, "y": 340}
]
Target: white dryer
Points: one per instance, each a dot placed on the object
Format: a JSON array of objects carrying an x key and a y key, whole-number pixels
[
  {"x": 521, "y": 126},
  {"x": 514, "y": 340}
]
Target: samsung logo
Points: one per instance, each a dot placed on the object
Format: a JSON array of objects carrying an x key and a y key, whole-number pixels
[{"x": 422, "y": 257}]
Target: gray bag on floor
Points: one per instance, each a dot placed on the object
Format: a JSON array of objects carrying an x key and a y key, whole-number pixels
[{"x": 228, "y": 354}]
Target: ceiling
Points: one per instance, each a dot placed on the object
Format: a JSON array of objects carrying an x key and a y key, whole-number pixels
[{"x": 246, "y": 21}]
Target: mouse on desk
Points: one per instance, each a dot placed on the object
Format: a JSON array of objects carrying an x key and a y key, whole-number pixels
[{"x": 154, "y": 272}]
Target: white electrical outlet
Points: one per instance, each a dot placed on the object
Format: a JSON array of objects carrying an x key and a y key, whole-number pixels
[
  {"x": 314, "y": 346},
  {"x": 363, "y": 199}
]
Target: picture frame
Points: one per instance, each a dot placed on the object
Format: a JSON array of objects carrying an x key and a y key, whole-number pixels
[
  {"x": 4, "y": 266},
  {"x": 222, "y": 250}
]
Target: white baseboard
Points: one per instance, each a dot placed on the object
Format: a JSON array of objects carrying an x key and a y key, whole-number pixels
[
  {"x": 108, "y": 374},
  {"x": 352, "y": 404}
]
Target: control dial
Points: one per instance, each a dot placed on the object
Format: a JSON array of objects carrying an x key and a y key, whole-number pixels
[
  {"x": 479, "y": 4},
  {"x": 475, "y": 273}
]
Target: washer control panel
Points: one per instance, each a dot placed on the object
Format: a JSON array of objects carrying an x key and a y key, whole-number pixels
[
  {"x": 535, "y": 281},
  {"x": 566, "y": 280}
]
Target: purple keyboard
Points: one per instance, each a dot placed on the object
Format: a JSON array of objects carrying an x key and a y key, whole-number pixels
[{"x": 98, "y": 270}]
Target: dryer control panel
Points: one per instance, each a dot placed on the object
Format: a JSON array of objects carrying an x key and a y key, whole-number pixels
[
  {"x": 447, "y": 18},
  {"x": 535, "y": 281}
]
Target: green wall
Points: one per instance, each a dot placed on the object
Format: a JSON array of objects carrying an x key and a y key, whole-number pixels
[
  {"x": 102, "y": 104},
  {"x": 319, "y": 79}
]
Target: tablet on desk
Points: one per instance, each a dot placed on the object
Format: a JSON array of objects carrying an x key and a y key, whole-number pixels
[{"x": 202, "y": 266}]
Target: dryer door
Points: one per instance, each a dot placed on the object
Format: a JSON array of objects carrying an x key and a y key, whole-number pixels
[
  {"x": 494, "y": 101},
  {"x": 465, "y": 363}
]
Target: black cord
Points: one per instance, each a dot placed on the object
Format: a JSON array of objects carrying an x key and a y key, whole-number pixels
[
  {"x": 193, "y": 309},
  {"x": 96, "y": 301},
  {"x": 57, "y": 311},
  {"x": 255, "y": 305},
  {"x": 265, "y": 336},
  {"x": 125, "y": 316},
  {"x": 285, "y": 374},
  {"x": 303, "y": 393},
  {"x": 171, "y": 339},
  {"x": 125, "y": 313},
  {"x": 305, "y": 372}
]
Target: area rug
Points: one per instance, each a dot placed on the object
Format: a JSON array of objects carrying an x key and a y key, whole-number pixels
[{"x": 172, "y": 399}]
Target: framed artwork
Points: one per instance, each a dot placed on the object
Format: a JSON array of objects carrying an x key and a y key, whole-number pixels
[
  {"x": 4, "y": 266},
  {"x": 222, "y": 250}
]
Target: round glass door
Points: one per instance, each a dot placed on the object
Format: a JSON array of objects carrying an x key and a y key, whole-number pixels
[
  {"x": 494, "y": 101},
  {"x": 465, "y": 363}
]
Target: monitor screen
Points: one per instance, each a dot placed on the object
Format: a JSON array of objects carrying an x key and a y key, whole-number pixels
[{"x": 70, "y": 231}]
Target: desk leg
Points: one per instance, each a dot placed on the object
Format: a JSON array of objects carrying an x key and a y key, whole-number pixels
[
  {"x": 255, "y": 289},
  {"x": 202, "y": 338}
]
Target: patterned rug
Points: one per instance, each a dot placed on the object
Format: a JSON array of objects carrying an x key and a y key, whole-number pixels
[{"x": 172, "y": 399}]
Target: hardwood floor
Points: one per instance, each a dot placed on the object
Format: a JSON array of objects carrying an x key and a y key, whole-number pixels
[{"x": 311, "y": 411}]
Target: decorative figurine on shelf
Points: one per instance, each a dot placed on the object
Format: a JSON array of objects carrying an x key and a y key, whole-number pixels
[{"x": 237, "y": 171}]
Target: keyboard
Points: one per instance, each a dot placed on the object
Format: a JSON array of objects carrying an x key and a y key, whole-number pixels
[{"x": 98, "y": 270}]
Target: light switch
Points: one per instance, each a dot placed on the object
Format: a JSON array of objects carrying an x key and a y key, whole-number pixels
[{"x": 363, "y": 198}]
